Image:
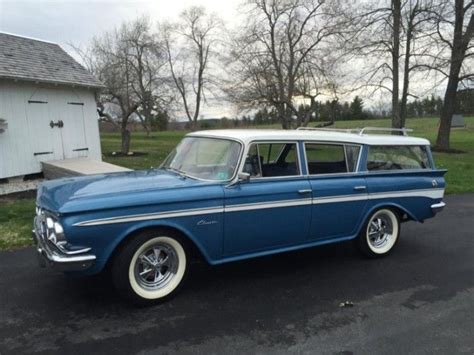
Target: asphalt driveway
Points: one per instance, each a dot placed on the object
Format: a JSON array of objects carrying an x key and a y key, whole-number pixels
[{"x": 418, "y": 300}]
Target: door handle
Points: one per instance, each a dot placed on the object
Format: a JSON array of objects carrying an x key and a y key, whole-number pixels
[
  {"x": 59, "y": 124},
  {"x": 306, "y": 191},
  {"x": 360, "y": 187}
]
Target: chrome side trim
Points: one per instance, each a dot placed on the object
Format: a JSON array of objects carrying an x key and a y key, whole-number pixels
[
  {"x": 150, "y": 216},
  {"x": 429, "y": 193},
  {"x": 266, "y": 205},
  {"x": 346, "y": 198}
]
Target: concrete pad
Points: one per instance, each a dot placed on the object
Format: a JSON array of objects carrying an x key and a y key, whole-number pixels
[{"x": 78, "y": 166}]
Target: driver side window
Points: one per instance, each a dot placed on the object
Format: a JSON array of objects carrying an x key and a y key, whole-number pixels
[{"x": 272, "y": 160}]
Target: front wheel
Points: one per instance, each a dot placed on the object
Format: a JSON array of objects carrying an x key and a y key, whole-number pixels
[
  {"x": 150, "y": 268},
  {"x": 380, "y": 233}
]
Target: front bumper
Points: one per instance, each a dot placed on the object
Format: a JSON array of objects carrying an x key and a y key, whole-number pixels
[
  {"x": 60, "y": 257},
  {"x": 438, "y": 207}
]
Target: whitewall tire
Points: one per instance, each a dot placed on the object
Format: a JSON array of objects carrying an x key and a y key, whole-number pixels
[
  {"x": 380, "y": 233},
  {"x": 151, "y": 267}
]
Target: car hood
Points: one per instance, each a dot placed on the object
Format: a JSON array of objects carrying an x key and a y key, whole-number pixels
[{"x": 110, "y": 190}]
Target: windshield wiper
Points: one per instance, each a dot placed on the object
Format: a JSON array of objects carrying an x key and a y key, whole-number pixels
[{"x": 177, "y": 171}]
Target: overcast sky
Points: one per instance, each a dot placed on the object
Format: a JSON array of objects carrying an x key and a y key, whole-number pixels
[{"x": 78, "y": 21}]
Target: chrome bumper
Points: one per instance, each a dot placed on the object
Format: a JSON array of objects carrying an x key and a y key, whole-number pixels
[
  {"x": 438, "y": 207},
  {"x": 61, "y": 258}
]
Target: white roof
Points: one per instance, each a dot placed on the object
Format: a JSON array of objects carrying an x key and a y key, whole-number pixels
[{"x": 248, "y": 135}]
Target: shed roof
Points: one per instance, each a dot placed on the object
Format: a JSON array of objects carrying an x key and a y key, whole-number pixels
[{"x": 30, "y": 59}]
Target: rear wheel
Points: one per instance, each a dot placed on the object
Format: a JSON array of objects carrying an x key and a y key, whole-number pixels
[
  {"x": 380, "y": 233},
  {"x": 150, "y": 268}
]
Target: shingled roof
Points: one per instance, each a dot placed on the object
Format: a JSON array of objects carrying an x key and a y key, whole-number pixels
[{"x": 29, "y": 59}]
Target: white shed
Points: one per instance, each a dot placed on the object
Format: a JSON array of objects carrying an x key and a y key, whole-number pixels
[{"x": 47, "y": 106}]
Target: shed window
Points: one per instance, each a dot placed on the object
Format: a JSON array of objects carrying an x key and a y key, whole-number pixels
[
  {"x": 331, "y": 158},
  {"x": 397, "y": 158},
  {"x": 272, "y": 160}
]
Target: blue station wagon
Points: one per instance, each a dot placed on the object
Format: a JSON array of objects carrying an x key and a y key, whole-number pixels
[{"x": 227, "y": 195}]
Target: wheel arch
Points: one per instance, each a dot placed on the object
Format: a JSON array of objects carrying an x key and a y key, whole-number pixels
[
  {"x": 398, "y": 209},
  {"x": 197, "y": 248}
]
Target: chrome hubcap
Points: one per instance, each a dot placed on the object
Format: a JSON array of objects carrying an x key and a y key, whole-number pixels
[
  {"x": 156, "y": 266},
  {"x": 380, "y": 231}
]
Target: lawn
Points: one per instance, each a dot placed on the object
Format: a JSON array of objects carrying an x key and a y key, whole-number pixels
[
  {"x": 16, "y": 222},
  {"x": 16, "y": 215},
  {"x": 460, "y": 176}
]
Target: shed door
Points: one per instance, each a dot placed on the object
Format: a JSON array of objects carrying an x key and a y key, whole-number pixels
[
  {"x": 44, "y": 140},
  {"x": 73, "y": 129}
]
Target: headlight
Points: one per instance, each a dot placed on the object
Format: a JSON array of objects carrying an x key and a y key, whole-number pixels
[
  {"x": 49, "y": 223},
  {"x": 55, "y": 231},
  {"x": 58, "y": 229}
]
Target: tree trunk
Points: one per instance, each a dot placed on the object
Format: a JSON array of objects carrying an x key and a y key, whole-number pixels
[
  {"x": 458, "y": 53},
  {"x": 125, "y": 140},
  {"x": 449, "y": 106},
  {"x": 406, "y": 72},
  {"x": 396, "y": 11},
  {"x": 282, "y": 116}
]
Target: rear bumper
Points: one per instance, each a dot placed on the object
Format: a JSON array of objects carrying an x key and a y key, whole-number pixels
[
  {"x": 438, "y": 207},
  {"x": 61, "y": 258}
]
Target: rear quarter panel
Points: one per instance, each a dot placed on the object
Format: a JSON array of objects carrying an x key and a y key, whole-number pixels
[{"x": 411, "y": 191}]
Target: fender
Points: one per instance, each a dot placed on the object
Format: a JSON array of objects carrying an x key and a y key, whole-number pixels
[{"x": 136, "y": 227}]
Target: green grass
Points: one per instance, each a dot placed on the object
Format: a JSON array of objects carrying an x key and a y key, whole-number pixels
[
  {"x": 460, "y": 176},
  {"x": 16, "y": 215},
  {"x": 16, "y": 221},
  {"x": 157, "y": 145}
]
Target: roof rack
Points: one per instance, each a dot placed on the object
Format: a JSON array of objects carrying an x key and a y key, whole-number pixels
[
  {"x": 345, "y": 130},
  {"x": 404, "y": 131},
  {"x": 359, "y": 131}
]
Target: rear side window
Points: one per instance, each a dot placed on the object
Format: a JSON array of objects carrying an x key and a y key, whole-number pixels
[
  {"x": 331, "y": 158},
  {"x": 397, "y": 158},
  {"x": 272, "y": 160}
]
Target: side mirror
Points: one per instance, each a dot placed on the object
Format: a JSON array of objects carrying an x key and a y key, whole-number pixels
[{"x": 243, "y": 177}]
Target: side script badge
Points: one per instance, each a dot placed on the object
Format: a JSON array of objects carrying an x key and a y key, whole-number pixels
[{"x": 203, "y": 222}]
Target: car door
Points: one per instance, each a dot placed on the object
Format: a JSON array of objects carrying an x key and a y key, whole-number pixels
[
  {"x": 339, "y": 192},
  {"x": 273, "y": 209}
]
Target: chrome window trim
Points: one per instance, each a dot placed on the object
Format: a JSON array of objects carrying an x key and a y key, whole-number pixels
[
  {"x": 295, "y": 142},
  {"x": 333, "y": 143},
  {"x": 236, "y": 170},
  {"x": 423, "y": 147},
  {"x": 345, "y": 157},
  {"x": 406, "y": 171}
]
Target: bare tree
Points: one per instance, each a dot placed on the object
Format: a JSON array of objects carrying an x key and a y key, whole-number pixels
[
  {"x": 278, "y": 56},
  {"x": 148, "y": 63},
  {"x": 189, "y": 46},
  {"x": 391, "y": 36},
  {"x": 127, "y": 62},
  {"x": 455, "y": 31}
]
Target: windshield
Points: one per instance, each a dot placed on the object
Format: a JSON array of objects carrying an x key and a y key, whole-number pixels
[{"x": 204, "y": 158}]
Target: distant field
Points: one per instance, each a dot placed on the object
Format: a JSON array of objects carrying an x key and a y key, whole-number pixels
[{"x": 460, "y": 177}]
